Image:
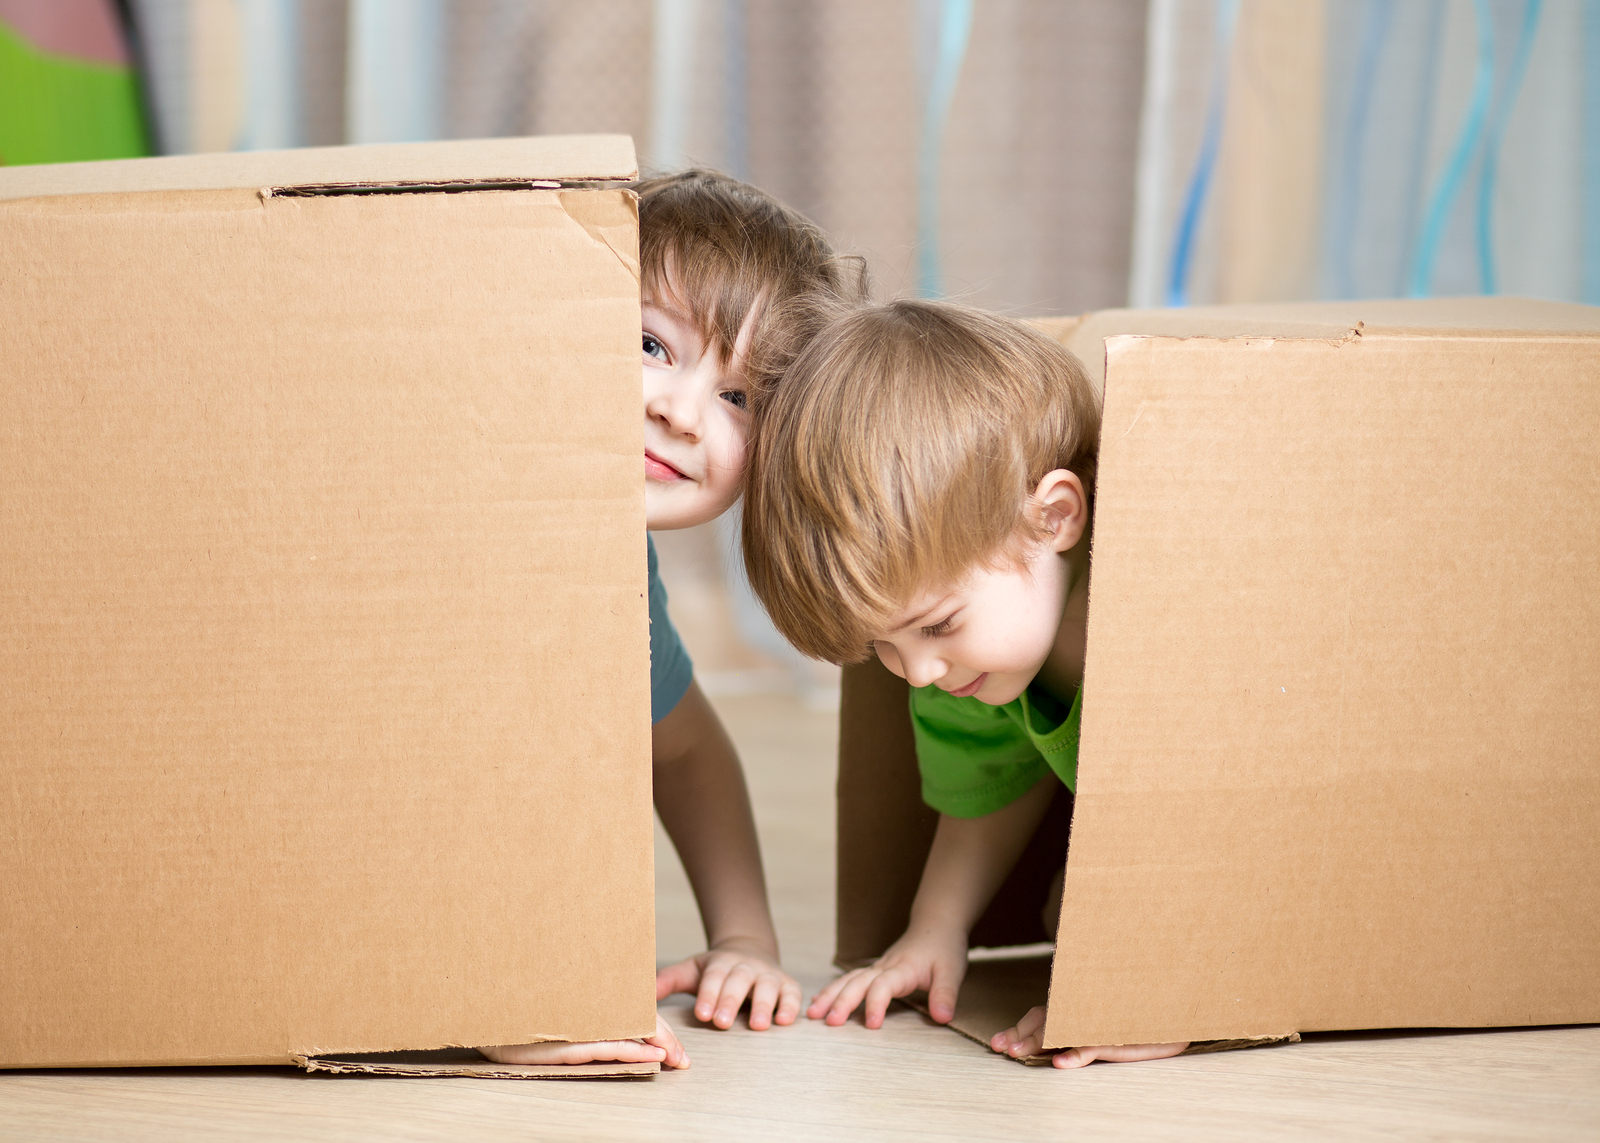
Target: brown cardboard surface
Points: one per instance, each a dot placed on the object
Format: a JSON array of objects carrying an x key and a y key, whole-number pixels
[
  {"x": 1338, "y": 765},
  {"x": 325, "y": 726},
  {"x": 546, "y": 158},
  {"x": 466, "y": 1064}
]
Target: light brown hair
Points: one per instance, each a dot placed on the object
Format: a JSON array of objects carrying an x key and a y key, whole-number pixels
[
  {"x": 721, "y": 249},
  {"x": 899, "y": 453}
]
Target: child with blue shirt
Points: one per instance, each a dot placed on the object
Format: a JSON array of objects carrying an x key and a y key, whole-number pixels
[
  {"x": 920, "y": 488},
  {"x": 722, "y": 265}
]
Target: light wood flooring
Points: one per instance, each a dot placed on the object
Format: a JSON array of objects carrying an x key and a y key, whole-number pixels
[{"x": 909, "y": 1080}]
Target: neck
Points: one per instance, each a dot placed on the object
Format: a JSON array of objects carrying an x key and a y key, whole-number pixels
[{"x": 1062, "y": 673}]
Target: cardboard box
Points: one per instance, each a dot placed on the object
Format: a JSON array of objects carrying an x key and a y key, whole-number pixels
[
  {"x": 1339, "y": 765},
  {"x": 325, "y": 718}
]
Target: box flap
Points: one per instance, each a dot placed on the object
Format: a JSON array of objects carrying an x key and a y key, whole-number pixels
[
  {"x": 1085, "y": 335},
  {"x": 456, "y": 162}
]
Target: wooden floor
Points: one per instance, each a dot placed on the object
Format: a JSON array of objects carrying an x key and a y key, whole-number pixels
[{"x": 909, "y": 1080}]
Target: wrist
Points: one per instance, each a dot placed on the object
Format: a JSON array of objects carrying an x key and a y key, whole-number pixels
[
  {"x": 766, "y": 946},
  {"x": 938, "y": 922}
]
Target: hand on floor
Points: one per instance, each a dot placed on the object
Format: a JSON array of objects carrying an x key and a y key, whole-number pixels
[
  {"x": 1027, "y": 1039},
  {"x": 662, "y": 1048},
  {"x": 722, "y": 977},
  {"x": 931, "y": 959}
]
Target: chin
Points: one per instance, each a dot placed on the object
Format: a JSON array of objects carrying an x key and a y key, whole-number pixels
[{"x": 997, "y": 694}]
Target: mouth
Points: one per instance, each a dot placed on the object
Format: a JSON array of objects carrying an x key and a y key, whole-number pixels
[
  {"x": 971, "y": 688},
  {"x": 657, "y": 469}
]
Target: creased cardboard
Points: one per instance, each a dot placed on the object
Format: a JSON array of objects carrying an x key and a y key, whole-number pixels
[
  {"x": 1338, "y": 766},
  {"x": 322, "y": 622}
]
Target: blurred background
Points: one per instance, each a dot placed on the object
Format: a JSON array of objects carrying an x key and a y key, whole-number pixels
[{"x": 1032, "y": 156}]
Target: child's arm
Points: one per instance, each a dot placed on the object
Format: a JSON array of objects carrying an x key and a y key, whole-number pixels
[
  {"x": 700, "y": 795},
  {"x": 662, "y": 1048},
  {"x": 969, "y": 860}
]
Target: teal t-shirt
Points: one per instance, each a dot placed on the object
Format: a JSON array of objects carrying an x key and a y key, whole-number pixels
[
  {"x": 976, "y": 758},
  {"x": 671, "y": 671}
]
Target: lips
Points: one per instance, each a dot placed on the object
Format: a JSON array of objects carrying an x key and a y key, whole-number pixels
[
  {"x": 657, "y": 469},
  {"x": 971, "y": 688}
]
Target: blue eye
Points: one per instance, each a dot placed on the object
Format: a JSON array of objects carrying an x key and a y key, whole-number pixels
[
  {"x": 736, "y": 398},
  {"x": 653, "y": 348}
]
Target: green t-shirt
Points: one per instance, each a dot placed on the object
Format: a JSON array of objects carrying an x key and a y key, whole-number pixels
[{"x": 976, "y": 758}]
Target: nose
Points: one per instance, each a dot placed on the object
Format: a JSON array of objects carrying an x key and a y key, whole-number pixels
[
  {"x": 677, "y": 404},
  {"x": 921, "y": 668}
]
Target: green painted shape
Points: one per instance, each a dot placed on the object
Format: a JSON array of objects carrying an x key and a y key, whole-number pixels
[{"x": 55, "y": 109}]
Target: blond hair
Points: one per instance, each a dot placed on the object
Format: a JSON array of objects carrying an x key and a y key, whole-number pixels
[
  {"x": 900, "y": 452},
  {"x": 723, "y": 249}
]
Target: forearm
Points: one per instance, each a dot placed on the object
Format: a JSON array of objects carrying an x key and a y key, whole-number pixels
[
  {"x": 704, "y": 806},
  {"x": 971, "y": 858}
]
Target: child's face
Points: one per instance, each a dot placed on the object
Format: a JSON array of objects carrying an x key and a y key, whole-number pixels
[
  {"x": 695, "y": 420},
  {"x": 987, "y": 637}
]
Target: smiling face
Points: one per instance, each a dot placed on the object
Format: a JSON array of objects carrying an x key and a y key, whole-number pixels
[
  {"x": 1007, "y": 621},
  {"x": 696, "y": 419},
  {"x": 986, "y": 638}
]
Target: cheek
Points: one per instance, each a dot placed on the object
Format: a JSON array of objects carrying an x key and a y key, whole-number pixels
[
  {"x": 889, "y": 657},
  {"x": 1021, "y": 629},
  {"x": 725, "y": 450}
]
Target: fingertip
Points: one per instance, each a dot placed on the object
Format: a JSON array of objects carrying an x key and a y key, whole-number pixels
[{"x": 1071, "y": 1058}]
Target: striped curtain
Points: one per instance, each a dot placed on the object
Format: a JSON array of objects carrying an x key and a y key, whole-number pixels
[{"x": 1369, "y": 148}]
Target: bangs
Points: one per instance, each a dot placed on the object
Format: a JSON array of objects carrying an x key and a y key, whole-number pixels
[
  {"x": 898, "y": 455},
  {"x": 718, "y": 250}
]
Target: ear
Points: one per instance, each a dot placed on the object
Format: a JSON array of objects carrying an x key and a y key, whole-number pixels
[{"x": 1063, "y": 508}]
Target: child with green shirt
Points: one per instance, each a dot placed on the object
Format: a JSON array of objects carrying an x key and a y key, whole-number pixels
[
  {"x": 721, "y": 264},
  {"x": 920, "y": 488}
]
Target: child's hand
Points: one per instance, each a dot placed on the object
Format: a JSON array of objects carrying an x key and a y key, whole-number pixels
[
  {"x": 1027, "y": 1039},
  {"x": 934, "y": 959},
  {"x": 662, "y": 1048},
  {"x": 722, "y": 976}
]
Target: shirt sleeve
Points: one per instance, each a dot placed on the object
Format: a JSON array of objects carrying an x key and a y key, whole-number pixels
[
  {"x": 671, "y": 670},
  {"x": 974, "y": 758}
]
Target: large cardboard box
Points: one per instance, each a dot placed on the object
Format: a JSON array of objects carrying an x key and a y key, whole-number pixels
[
  {"x": 324, "y": 724},
  {"x": 1340, "y": 764}
]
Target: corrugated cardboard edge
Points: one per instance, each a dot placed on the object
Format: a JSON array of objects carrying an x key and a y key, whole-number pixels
[
  {"x": 1198, "y": 1048},
  {"x": 482, "y": 1069},
  {"x": 1002, "y": 985},
  {"x": 444, "y": 163},
  {"x": 1343, "y": 321}
]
